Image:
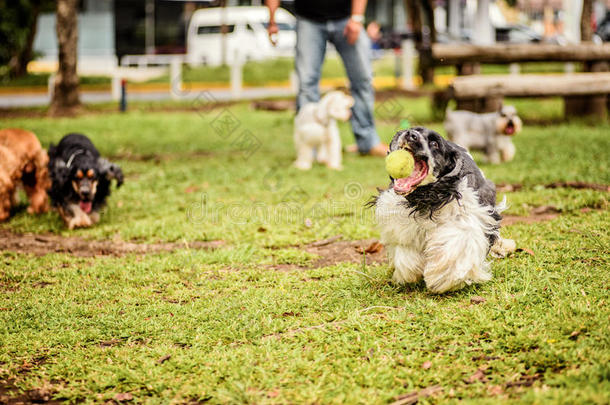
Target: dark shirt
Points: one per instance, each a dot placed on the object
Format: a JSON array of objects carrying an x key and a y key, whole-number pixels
[{"x": 323, "y": 10}]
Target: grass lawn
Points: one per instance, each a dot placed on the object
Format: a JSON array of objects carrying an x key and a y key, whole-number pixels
[{"x": 258, "y": 320}]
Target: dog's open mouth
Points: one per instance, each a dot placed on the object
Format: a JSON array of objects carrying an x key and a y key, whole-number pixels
[
  {"x": 419, "y": 173},
  {"x": 509, "y": 129},
  {"x": 86, "y": 206}
]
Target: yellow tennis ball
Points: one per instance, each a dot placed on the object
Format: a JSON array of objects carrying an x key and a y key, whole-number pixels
[{"x": 399, "y": 164}]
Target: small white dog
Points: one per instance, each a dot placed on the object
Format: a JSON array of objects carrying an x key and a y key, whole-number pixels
[
  {"x": 315, "y": 129},
  {"x": 491, "y": 132}
]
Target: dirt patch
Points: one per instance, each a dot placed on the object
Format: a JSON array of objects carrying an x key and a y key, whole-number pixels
[
  {"x": 40, "y": 245},
  {"x": 11, "y": 394},
  {"x": 159, "y": 157},
  {"x": 533, "y": 218},
  {"x": 334, "y": 250},
  {"x": 579, "y": 185}
]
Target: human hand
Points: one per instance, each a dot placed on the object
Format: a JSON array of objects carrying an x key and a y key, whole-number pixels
[
  {"x": 273, "y": 31},
  {"x": 352, "y": 31}
]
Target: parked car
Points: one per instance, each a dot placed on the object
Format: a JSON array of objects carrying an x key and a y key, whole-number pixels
[
  {"x": 245, "y": 37},
  {"x": 517, "y": 34}
]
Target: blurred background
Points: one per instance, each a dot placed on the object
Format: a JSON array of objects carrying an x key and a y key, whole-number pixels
[{"x": 169, "y": 49}]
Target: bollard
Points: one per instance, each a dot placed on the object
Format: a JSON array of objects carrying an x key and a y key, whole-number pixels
[
  {"x": 123, "y": 104},
  {"x": 175, "y": 78},
  {"x": 237, "y": 75},
  {"x": 408, "y": 60}
]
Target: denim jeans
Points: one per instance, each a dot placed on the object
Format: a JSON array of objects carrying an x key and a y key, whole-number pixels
[{"x": 310, "y": 50}]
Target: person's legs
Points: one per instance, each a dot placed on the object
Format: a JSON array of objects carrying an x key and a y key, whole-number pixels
[
  {"x": 310, "y": 50},
  {"x": 356, "y": 59}
]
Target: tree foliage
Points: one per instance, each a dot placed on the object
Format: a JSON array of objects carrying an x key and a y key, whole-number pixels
[{"x": 17, "y": 30}]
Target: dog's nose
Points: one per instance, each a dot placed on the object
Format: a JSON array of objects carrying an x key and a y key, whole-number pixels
[{"x": 85, "y": 193}]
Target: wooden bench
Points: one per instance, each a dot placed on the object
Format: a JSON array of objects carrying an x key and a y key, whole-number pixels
[
  {"x": 468, "y": 57},
  {"x": 583, "y": 93}
]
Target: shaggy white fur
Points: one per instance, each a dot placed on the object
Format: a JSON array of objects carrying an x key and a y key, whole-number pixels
[
  {"x": 316, "y": 131},
  {"x": 447, "y": 250}
]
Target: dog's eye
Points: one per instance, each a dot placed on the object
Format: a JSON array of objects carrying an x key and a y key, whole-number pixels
[
  {"x": 434, "y": 144},
  {"x": 413, "y": 137},
  {"x": 79, "y": 174},
  {"x": 90, "y": 173}
]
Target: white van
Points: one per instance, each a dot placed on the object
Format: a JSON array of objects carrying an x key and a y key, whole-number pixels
[{"x": 246, "y": 35}]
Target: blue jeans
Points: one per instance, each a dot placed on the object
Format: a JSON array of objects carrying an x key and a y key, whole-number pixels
[{"x": 310, "y": 50}]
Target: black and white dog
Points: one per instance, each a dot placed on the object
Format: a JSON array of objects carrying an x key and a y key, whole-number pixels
[
  {"x": 80, "y": 180},
  {"x": 439, "y": 223}
]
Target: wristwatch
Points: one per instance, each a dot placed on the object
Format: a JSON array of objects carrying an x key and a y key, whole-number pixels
[{"x": 359, "y": 18}]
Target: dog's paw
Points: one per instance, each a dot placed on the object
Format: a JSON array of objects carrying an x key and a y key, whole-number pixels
[
  {"x": 503, "y": 247},
  {"x": 335, "y": 167},
  {"x": 302, "y": 165},
  {"x": 95, "y": 217},
  {"x": 80, "y": 221}
]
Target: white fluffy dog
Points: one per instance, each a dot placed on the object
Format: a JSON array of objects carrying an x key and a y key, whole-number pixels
[
  {"x": 315, "y": 130},
  {"x": 441, "y": 221}
]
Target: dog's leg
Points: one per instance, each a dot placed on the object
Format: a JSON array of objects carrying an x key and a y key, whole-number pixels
[
  {"x": 503, "y": 247},
  {"x": 304, "y": 154},
  {"x": 95, "y": 217},
  {"x": 74, "y": 217},
  {"x": 507, "y": 151},
  {"x": 322, "y": 153},
  {"x": 407, "y": 263},
  {"x": 5, "y": 204},
  {"x": 38, "y": 199},
  {"x": 455, "y": 256},
  {"x": 492, "y": 153},
  {"x": 333, "y": 147}
]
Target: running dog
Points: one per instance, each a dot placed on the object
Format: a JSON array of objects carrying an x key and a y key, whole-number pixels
[
  {"x": 441, "y": 221},
  {"x": 80, "y": 180}
]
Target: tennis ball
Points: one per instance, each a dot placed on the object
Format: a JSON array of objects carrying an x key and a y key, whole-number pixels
[{"x": 399, "y": 164}]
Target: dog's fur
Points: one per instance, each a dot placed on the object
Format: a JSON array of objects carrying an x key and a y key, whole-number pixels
[
  {"x": 23, "y": 162},
  {"x": 81, "y": 180},
  {"x": 316, "y": 131},
  {"x": 440, "y": 224},
  {"x": 491, "y": 132}
]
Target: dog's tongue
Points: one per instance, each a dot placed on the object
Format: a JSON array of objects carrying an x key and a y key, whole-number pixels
[
  {"x": 509, "y": 130},
  {"x": 404, "y": 185},
  {"x": 85, "y": 206}
]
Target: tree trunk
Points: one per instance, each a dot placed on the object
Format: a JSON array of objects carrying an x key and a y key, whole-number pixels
[
  {"x": 586, "y": 31},
  {"x": 65, "y": 96}
]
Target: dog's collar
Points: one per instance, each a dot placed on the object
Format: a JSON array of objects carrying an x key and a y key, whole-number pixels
[{"x": 72, "y": 156}]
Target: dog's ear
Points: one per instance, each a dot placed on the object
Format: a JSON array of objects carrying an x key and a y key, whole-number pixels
[
  {"x": 322, "y": 112},
  {"x": 111, "y": 171},
  {"x": 60, "y": 173},
  {"x": 500, "y": 106}
]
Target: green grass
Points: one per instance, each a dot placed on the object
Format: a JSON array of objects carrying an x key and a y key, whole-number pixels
[{"x": 239, "y": 330}]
